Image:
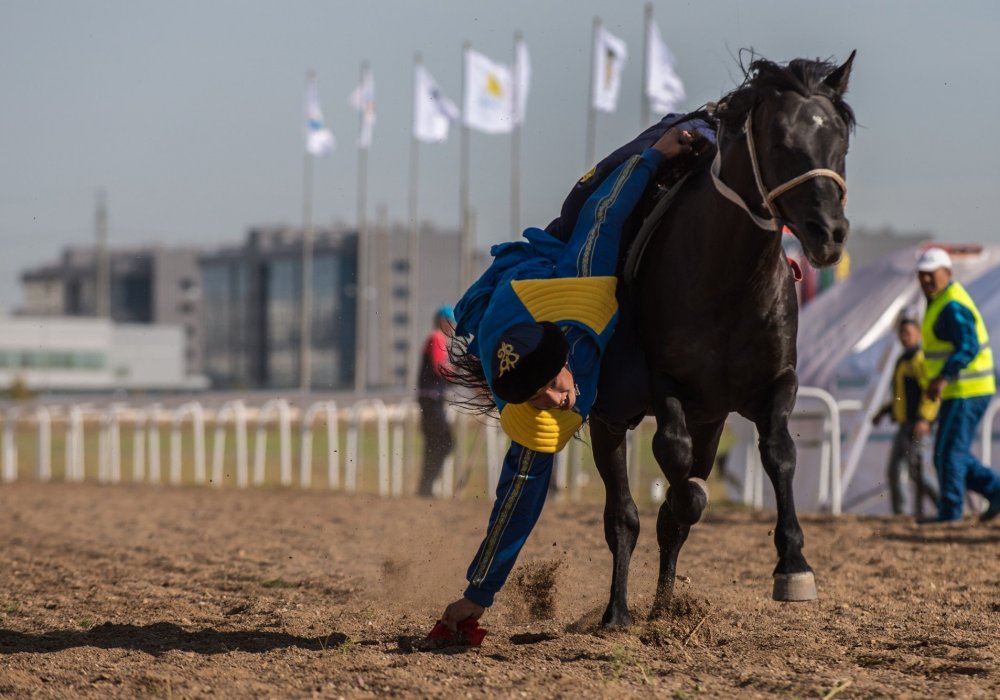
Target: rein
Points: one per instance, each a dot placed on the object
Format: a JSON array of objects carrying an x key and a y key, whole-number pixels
[{"x": 772, "y": 224}]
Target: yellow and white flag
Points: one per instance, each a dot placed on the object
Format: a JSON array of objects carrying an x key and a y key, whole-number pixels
[
  {"x": 664, "y": 87},
  {"x": 489, "y": 103},
  {"x": 433, "y": 112},
  {"x": 363, "y": 100},
  {"x": 610, "y": 55},
  {"x": 319, "y": 139}
]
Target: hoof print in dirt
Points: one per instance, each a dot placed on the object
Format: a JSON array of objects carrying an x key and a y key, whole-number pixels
[{"x": 532, "y": 637}]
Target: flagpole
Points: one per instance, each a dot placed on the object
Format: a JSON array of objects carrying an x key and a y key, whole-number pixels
[
  {"x": 464, "y": 232},
  {"x": 515, "y": 146},
  {"x": 646, "y": 107},
  {"x": 305, "y": 313},
  {"x": 591, "y": 112},
  {"x": 413, "y": 246},
  {"x": 361, "y": 301}
]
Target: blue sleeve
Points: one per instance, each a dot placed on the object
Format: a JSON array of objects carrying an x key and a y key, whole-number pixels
[
  {"x": 957, "y": 325},
  {"x": 593, "y": 247},
  {"x": 521, "y": 492}
]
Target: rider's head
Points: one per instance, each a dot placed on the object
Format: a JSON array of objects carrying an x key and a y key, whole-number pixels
[{"x": 530, "y": 366}]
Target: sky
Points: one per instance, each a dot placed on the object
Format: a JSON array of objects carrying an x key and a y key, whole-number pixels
[{"x": 189, "y": 113}]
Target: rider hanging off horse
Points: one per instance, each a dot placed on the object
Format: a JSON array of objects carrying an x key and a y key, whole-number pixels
[{"x": 549, "y": 335}]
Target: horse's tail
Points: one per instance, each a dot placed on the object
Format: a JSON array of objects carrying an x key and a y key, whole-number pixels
[{"x": 466, "y": 371}]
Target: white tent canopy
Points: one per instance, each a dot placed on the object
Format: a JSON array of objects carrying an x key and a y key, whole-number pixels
[{"x": 847, "y": 347}]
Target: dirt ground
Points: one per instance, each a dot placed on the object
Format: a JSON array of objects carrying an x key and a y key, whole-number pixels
[{"x": 133, "y": 591}]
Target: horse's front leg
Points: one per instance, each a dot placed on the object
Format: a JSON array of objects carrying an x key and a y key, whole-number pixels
[
  {"x": 621, "y": 517},
  {"x": 686, "y": 499},
  {"x": 793, "y": 577}
]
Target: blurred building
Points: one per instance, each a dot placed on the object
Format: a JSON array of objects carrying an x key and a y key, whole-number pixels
[
  {"x": 56, "y": 354},
  {"x": 252, "y": 294},
  {"x": 149, "y": 285}
]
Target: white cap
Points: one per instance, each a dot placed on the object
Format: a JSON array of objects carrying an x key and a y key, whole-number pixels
[{"x": 933, "y": 259}]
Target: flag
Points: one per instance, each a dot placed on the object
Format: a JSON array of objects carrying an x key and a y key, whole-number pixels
[
  {"x": 663, "y": 86},
  {"x": 363, "y": 100},
  {"x": 319, "y": 139},
  {"x": 433, "y": 113},
  {"x": 489, "y": 104},
  {"x": 610, "y": 55},
  {"x": 522, "y": 81}
]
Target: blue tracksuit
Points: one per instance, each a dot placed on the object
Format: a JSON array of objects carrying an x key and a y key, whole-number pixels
[
  {"x": 957, "y": 468},
  {"x": 492, "y": 305}
]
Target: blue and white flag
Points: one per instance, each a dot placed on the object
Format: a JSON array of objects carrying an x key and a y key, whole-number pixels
[
  {"x": 433, "y": 112},
  {"x": 319, "y": 139},
  {"x": 363, "y": 100}
]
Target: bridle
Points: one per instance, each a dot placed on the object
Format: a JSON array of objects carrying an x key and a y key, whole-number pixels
[{"x": 768, "y": 197}]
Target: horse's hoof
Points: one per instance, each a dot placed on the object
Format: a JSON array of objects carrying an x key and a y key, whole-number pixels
[
  {"x": 616, "y": 622},
  {"x": 794, "y": 587}
]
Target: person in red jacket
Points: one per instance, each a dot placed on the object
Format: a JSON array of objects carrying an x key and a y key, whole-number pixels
[{"x": 431, "y": 395}]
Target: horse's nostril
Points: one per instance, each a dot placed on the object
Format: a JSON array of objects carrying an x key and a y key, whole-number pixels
[{"x": 839, "y": 234}]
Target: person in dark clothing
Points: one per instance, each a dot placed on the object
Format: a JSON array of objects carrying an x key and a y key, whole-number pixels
[
  {"x": 431, "y": 395},
  {"x": 908, "y": 404}
]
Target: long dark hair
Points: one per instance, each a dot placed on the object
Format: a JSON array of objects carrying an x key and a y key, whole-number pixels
[{"x": 466, "y": 372}]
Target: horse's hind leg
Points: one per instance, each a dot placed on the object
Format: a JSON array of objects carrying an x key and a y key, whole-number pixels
[
  {"x": 621, "y": 517},
  {"x": 687, "y": 495},
  {"x": 793, "y": 577}
]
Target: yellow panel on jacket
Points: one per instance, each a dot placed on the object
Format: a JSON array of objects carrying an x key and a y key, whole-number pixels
[
  {"x": 541, "y": 431},
  {"x": 589, "y": 300}
]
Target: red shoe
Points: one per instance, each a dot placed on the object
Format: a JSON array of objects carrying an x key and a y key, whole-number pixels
[{"x": 469, "y": 633}]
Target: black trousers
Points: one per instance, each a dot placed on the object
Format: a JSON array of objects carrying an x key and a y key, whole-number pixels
[{"x": 438, "y": 441}]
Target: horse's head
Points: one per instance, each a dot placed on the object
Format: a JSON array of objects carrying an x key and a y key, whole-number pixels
[{"x": 796, "y": 126}]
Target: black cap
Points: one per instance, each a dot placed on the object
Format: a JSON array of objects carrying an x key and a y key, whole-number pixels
[{"x": 526, "y": 358}]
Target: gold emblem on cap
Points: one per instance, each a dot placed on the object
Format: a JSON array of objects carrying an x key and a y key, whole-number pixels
[{"x": 508, "y": 358}]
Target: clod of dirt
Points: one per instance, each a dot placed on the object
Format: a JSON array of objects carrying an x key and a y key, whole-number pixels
[
  {"x": 534, "y": 585},
  {"x": 678, "y": 623}
]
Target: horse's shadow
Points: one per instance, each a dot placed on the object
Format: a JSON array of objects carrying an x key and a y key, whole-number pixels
[{"x": 159, "y": 638}]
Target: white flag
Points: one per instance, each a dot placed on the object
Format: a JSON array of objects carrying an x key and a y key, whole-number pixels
[
  {"x": 522, "y": 81},
  {"x": 489, "y": 103},
  {"x": 610, "y": 55},
  {"x": 663, "y": 86},
  {"x": 433, "y": 113},
  {"x": 363, "y": 100},
  {"x": 319, "y": 139}
]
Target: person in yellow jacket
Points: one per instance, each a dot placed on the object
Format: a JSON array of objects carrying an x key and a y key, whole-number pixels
[
  {"x": 959, "y": 363},
  {"x": 907, "y": 405}
]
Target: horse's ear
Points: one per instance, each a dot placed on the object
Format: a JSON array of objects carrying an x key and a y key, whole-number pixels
[{"x": 837, "y": 80}]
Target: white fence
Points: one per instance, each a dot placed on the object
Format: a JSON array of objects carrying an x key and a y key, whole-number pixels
[{"x": 380, "y": 448}]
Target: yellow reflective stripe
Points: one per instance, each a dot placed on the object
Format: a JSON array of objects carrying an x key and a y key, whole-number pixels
[
  {"x": 503, "y": 518},
  {"x": 587, "y": 300},
  {"x": 584, "y": 260}
]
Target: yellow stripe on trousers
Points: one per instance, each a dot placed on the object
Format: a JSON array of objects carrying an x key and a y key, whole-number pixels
[{"x": 503, "y": 517}]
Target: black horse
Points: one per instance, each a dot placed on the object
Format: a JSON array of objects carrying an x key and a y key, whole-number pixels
[{"x": 717, "y": 313}]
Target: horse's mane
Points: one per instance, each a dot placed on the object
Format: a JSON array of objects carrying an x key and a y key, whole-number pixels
[{"x": 804, "y": 76}]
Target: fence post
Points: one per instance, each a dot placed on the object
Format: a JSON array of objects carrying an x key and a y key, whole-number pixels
[
  {"x": 237, "y": 409},
  {"x": 306, "y": 444},
  {"x": 153, "y": 442},
  {"x": 44, "y": 420},
  {"x": 284, "y": 437},
  {"x": 400, "y": 413},
  {"x": 986, "y": 436},
  {"x": 10, "y": 445},
  {"x": 139, "y": 445}
]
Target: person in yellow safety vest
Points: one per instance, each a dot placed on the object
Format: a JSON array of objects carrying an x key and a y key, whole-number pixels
[
  {"x": 959, "y": 362},
  {"x": 906, "y": 405}
]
